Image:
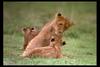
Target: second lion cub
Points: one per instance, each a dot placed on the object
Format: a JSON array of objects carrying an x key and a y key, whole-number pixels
[{"x": 51, "y": 51}]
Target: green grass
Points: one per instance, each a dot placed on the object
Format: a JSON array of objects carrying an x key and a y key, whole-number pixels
[{"x": 80, "y": 48}]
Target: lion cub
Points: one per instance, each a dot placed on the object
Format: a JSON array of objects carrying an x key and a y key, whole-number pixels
[
  {"x": 59, "y": 24},
  {"x": 29, "y": 33},
  {"x": 51, "y": 51}
]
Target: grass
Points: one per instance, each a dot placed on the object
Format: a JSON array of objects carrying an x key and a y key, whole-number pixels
[{"x": 81, "y": 38}]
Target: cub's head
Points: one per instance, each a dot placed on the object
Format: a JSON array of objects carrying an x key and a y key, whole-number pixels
[
  {"x": 56, "y": 40},
  {"x": 29, "y": 32},
  {"x": 61, "y": 23}
]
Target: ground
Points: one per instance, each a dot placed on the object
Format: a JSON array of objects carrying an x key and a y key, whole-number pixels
[{"x": 80, "y": 48}]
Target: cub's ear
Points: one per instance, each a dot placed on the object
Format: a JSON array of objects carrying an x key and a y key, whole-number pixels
[
  {"x": 58, "y": 14},
  {"x": 63, "y": 43},
  {"x": 23, "y": 30},
  {"x": 53, "y": 39},
  {"x": 32, "y": 28}
]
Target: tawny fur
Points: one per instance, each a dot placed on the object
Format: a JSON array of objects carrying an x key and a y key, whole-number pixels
[
  {"x": 59, "y": 24},
  {"x": 51, "y": 51},
  {"x": 29, "y": 33}
]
